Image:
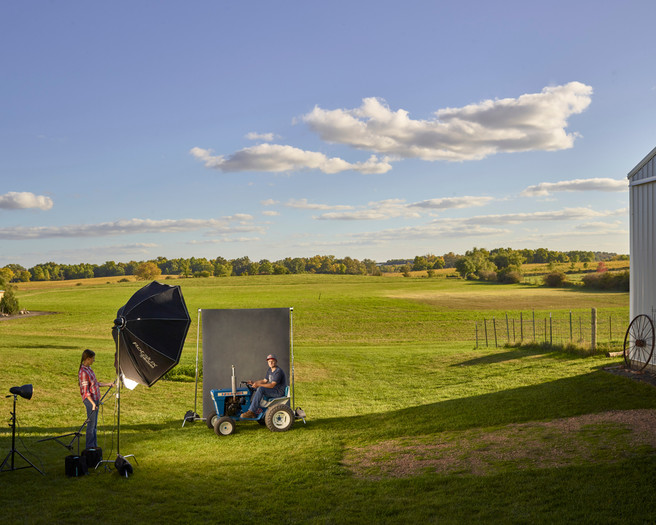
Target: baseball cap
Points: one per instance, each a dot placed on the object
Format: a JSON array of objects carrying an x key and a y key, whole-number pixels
[{"x": 272, "y": 356}]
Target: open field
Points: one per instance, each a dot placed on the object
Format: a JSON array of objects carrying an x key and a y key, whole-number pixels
[{"x": 407, "y": 420}]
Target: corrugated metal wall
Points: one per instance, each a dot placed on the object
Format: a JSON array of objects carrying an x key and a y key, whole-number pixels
[{"x": 642, "y": 206}]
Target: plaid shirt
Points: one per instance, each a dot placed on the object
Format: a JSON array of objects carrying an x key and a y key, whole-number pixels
[{"x": 88, "y": 384}]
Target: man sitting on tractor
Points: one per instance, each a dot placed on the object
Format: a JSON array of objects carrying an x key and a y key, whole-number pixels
[{"x": 273, "y": 385}]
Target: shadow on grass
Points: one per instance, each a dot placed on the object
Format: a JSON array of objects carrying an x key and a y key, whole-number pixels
[
  {"x": 508, "y": 355},
  {"x": 594, "y": 392},
  {"x": 52, "y": 346}
]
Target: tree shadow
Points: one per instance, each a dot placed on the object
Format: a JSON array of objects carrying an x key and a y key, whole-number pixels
[{"x": 508, "y": 355}]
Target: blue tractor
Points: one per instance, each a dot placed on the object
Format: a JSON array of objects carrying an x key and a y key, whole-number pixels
[{"x": 229, "y": 405}]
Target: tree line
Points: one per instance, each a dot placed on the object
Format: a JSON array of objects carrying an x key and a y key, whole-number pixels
[{"x": 478, "y": 263}]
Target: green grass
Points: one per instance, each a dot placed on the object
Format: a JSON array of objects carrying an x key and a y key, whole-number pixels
[{"x": 378, "y": 360}]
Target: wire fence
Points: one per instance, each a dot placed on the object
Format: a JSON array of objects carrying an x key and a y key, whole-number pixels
[{"x": 592, "y": 329}]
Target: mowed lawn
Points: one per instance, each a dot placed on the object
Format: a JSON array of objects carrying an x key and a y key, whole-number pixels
[{"x": 407, "y": 420}]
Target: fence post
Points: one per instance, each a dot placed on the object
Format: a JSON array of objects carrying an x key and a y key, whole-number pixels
[
  {"x": 485, "y": 321},
  {"x": 494, "y": 325},
  {"x": 521, "y": 327},
  {"x": 534, "y": 339},
  {"x": 610, "y": 329},
  {"x": 550, "y": 330},
  {"x": 571, "y": 338},
  {"x": 507, "y": 329},
  {"x": 476, "y": 334},
  {"x": 593, "y": 336}
]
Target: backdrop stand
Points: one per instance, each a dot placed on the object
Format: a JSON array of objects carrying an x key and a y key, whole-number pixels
[{"x": 192, "y": 415}]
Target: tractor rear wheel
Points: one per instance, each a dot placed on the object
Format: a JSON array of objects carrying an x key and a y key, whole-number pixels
[
  {"x": 210, "y": 420},
  {"x": 224, "y": 426},
  {"x": 279, "y": 418}
]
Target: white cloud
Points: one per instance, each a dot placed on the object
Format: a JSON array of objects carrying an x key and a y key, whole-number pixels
[
  {"x": 22, "y": 200},
  {"x": 224, "y": 240},
  {"x": 392, "y": 208},
  {"x": 304, "y": 204},
  {"x": 601, "y": 226},
  {"x": 132, "y": 226},
  {"x": 566, "y": 214},
  {"x": 265, "y": 137},
  {"x": 430, "y": 231},
  {"x": 271, "y": 213},
  {"x": 534, "y": 121},
  {"x": 381, "y": 210},
  {"x": 452, "y": 202},
  {"x": 596, "y": 184},
  {"x": 269, "y": 202},
  {"x": 490, "y": 225},
  {"x": 279, "y": 158}
]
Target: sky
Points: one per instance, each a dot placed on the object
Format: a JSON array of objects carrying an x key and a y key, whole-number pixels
[{"x": 375, "y": 130}]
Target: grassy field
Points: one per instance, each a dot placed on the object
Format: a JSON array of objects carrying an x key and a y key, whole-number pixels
[{"x": 407, "y": 421}]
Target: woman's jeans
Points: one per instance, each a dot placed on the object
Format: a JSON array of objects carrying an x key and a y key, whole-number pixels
[{"x": 92, "y": 423}]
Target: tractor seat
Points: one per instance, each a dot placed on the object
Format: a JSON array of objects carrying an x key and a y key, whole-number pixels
[{"x": 267, "y": 402}]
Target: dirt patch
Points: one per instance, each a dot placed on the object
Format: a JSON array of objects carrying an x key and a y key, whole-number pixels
[
  {"x": 24, "y": 315},
  {"x": 592, "y": 438}
]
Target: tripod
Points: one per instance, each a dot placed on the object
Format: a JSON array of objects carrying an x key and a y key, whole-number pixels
[
  {"x": 76, "y": 435},
  {"x": 13, "y": 450}
]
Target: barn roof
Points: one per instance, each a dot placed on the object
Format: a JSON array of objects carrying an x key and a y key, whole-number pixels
[{"x": 642, "y": 163}]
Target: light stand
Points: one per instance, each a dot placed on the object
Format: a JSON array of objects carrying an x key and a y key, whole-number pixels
[
  {"x": 25, "y": 392},
  {"x": 121, "y": 464},
  {"x": 76, "y": 435}
]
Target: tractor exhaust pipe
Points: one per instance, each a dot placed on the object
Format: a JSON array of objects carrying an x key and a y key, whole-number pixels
[{"x": 234, "y": 385}]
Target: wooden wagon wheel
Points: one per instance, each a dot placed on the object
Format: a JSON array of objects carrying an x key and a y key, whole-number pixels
[{"x": 639, "y": 342}]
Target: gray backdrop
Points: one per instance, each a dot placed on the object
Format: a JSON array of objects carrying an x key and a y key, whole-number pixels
[{"x": 242, "y": 338}]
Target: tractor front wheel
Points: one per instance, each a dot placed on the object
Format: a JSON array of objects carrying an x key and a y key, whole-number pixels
[
  {"x": 279, "y": 418},
  {"x": 224, "y": 426}
]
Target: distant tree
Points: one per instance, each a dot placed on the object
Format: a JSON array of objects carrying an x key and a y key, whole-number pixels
[
  {"x": 266, "y": 268},
  {"x": 222, "y": 267},
  {"x": 240, "y": 266},
  {"x": 439, "y": 263},
  {"x": 147, "y": 271},
  {"x": 280, "y": 269},
  {"x": 420, "y": 263},
  {"x": 254, "y": 268},
  {"x": 465, "y": 267},
  {"x": 8, "y": 303},
  {"x": 6, "y": 275},
  {"x": 450, "y": 260}
]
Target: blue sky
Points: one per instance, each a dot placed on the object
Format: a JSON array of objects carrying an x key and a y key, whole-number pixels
[{"x": 131, "y": 130}]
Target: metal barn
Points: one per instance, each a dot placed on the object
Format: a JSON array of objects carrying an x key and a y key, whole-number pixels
[{"x": 642, "y": 211}]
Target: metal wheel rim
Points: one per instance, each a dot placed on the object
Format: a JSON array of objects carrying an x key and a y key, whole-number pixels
[
  {"x": 281, "y": 419},
  {"x": 639, "y": 342},
  {"x": 225, "y": 428}
]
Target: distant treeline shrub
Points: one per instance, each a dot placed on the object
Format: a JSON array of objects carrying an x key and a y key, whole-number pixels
[
  {"x": 607, "y": 281},
  {"x": 555, "y": 279},
  {"x": 501, "y": 264}
]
